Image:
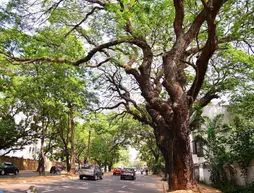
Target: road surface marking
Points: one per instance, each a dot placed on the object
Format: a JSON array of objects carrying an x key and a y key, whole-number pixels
[
  {"x": 47, "y": 191},
  {"x": 124, "y": 186}
]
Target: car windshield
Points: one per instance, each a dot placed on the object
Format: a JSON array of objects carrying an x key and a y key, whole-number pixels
[
  {"x": 128, "y": 169},
  {"x": 87, "y": 167}
]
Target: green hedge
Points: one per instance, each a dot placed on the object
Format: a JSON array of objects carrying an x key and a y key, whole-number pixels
[{"x": 232, "y": 188}]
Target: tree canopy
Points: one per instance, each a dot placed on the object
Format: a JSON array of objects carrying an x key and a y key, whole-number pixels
[{"x": 162, "y": 60}]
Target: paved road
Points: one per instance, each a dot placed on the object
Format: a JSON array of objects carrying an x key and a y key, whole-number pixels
[{"x": 109, "y": 184}]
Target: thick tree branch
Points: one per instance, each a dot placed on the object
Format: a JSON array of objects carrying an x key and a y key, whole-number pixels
[
  {"x": 83, "y": 20},
  {"x": 179, "y": 17},
  {"x": 117, "y": 144},
  {"x": 112, "y": 107},
  {"x": 54, "y": 6},
  {"x": 99, "y": 64},
  {"x": 215, "y": 6},
  {"x": 138, "y": 42},
  {"x": 208, "y": 50},
  {"x": 65, "y": 60},
  {"x": 205, "y": 100},
  {"x": 99, "y": 2},
  {"x": 191, "y": 64}
]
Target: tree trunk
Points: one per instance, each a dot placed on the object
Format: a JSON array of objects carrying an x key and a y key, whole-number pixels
[
  {"x": 155, "y": 168},
  {"x": 110, "y": 167},
  {"x": 72, "y": 125},
  {"x": 178, "y": 163},
  {"x": 88, "y": 147},
  {"x": 182, "y": 176},
  {"x": 42, "y": 156},
  {"x": 67, "y": 156}
]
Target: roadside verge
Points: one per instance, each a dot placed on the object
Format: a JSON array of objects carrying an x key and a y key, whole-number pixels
[
  {"x": 17, "y": 179},
  {"x": 201, "y": 189}
]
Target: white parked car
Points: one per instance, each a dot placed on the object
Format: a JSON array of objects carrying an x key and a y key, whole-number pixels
[{"x": 91, "y": 172}]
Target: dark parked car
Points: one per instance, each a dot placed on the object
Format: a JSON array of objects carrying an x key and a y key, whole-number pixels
[
  {"x": 128, "y": 173},
  {"x": 91, "y": 172},
  {"x": 7, "y": 168},
  {"x": 56, "y": 169}
]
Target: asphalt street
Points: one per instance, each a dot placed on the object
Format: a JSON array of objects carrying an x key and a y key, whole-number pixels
[{"x": 109, "y": 184}]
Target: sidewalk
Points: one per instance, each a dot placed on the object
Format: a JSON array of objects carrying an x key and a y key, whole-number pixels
[
  {"x": 25, "y": 176},
  {"x": 201, "y": 189},
  {"x": 208, "y": 189},
  {"x": 28, "y": 173}
]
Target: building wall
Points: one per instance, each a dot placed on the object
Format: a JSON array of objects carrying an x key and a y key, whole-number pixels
[
  {"x": 207, "y": 175},
  {"x": 28, "y": 164},
  {"x": 238, "y": 177},
  {"x": 210, "y": 111},
  {"x": 250, "y": 172},
  {"x": 20, "y": 163},
  {"x": 202, "y": 170}
]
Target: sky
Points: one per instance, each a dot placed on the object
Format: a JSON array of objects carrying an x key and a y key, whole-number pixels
[
  {"x": 133, "y": 154},
  {"x": 3, "y": 1}
]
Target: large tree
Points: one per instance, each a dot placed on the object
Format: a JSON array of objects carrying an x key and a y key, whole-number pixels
[{"x": 156, "y": 43}]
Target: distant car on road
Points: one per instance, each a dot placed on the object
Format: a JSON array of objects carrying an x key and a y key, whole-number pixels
[
  {"x": 117, "y": 171},
  {"x": 91, "y": 172},
  {"x": 7, "y": 168},
  {"x": 128, "y": 173}
]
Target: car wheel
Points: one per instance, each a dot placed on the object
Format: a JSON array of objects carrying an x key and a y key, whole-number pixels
[
  {"x": 95, "y": 177},
  {"x": 101, "y": 177},
  {"x": 81, "y": 177},
  {"x": 2, "y": 172},
  {"x": 114, "y": 174},
  {"x": 16, "y": 172},
  {"x": 121, "y": 178}
]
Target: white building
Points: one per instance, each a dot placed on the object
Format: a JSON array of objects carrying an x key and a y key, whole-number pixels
[
  {"x": 29, "y": 152},
  {"x": 201, "y": 168}
]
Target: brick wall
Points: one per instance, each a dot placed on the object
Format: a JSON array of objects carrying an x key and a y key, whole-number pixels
[{"x": 26, "y": 164}]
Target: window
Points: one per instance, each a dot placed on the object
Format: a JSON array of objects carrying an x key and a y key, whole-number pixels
[
  {"x": 197, "y": 148},
  {"x": 87, "y": 167}
]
